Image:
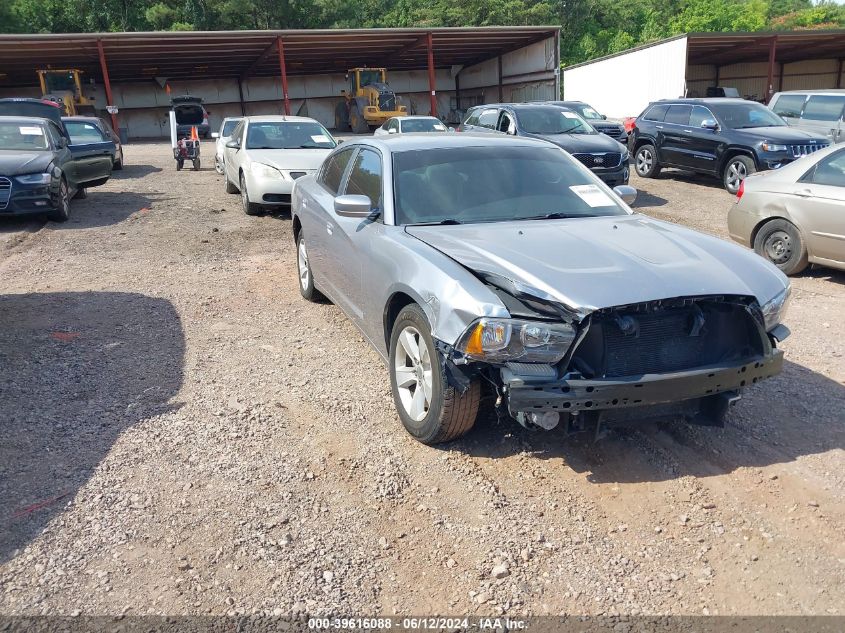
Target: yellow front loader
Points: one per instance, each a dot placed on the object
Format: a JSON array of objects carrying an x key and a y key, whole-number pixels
[
  {"x": 64, "y": 86},
  {"x": 369, "y": 102}
]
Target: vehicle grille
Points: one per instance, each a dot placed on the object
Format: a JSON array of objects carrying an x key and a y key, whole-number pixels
[
  {"x": 653, "y": 341},
  {"x": 802, "y": 150},
  {"x": 5, "y": 192},
  {"x": 277, "y": 198},
  {"x": 612, "y": 131},
  {"x": 600, "y": 160}
]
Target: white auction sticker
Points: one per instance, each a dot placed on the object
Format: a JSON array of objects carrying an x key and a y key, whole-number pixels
[
  {"x": 439, "y": 126},
  {"x": 592, "y": 195},
  {"x": 569, "y": 115},
  {"x": 320, "y": 138},
  {"x": 32, "y": 131}
]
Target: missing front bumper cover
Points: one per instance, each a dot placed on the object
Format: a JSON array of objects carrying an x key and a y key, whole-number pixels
[{"x": 577, "y": 395}]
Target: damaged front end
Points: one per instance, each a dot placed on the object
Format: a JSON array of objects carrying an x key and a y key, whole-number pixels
[{"x": 685, "y": 357}]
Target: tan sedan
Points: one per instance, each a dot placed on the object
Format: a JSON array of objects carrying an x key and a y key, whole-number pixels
[{"x": 795, "y": 215}]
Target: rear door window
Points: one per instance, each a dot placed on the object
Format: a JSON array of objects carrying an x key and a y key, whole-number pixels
[
  {"x": 678, "y": 114},
  {"x": 82, "y": 133},
  {"x": 824, "y": 108},
  {"x": 789, "y": 105},
  {"x": 656, "y": 113},
  {"x": 333, "y": 170}
]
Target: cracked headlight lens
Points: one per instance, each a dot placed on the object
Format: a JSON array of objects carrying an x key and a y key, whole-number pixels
[
  {"x": 501, "y": 340},
  {"x": 774, "y": 310}
]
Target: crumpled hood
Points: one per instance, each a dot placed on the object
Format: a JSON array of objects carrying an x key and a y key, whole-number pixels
[
  {"x": 593, "y": 263},
  {"x": 16, "y": 163},
  {"x": 575, "y": 143},
  {"x": 287, "y": 159}
]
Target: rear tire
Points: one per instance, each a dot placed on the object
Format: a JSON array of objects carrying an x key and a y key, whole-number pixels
[
  {"x": 780, "y": 242},
  {"x": 218, "y": 166},
  {"x": 62, "y": 211},
  {"x": 118, "y": 164},
  {"x": 197, "y": 164},
  {"x": 430, "y": 409},
  {"x": 230, "y": 188},
  {"x": 736, "y": 170},
  {"x": 179, "y": 165},
  {"x": 645, "y": 162},
  {"x": 249, "y": 207},
  {"x": 357, "y": 121}
]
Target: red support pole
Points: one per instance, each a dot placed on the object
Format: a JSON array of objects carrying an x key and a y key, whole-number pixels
[
  {"x": 770, "y": 79},
  {"x": 107, "y": 83},
  {"x": 284, "y": 74},
  {"x": 431, "y": 81}
]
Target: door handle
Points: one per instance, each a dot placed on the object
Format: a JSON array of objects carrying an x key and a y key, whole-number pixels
[
  {"x": 804, "y": 193},
  {"x": 659, "y": 127},
  {"x": 329, "y": 227}
]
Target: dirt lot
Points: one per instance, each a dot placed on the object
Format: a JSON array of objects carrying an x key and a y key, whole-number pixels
[{"x": 181, "y": 434}]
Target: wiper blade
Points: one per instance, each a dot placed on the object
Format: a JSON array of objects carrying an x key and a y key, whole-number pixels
[
  {"x": 439, "y": 223},
  {"x": 557, "y": 215}
]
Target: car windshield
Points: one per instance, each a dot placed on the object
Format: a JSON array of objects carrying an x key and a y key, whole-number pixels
[
  {"x": 288, "y": 135},
  {"x": 229, "y": 127},
  {"x": 422, "y": 125},
  {"x": 739, "y": 116},
  {"x": 588, "y": 113},
  {"x": 552, "y": 121},
  {"x": 483, "y": 184},
  {"x": 26, "y": 137}
]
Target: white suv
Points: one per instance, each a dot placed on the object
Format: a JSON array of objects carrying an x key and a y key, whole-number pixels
[
  {"x": 225, "y": 133},
  {"x": 818, "y": 111}
]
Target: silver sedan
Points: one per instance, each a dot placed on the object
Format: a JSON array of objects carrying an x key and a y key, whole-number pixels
[
  {"x": 500, "y": 268},
  {"x": 796, "y": 215}
]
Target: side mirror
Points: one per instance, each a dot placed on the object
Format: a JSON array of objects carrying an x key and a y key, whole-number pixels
[
  {"x": 604, "y": 117},
  {"x": 353, "y": 206},
  {"x": 451, "y": 129},
  {"x": 626, "y": 192},
  {"x": 234, "y": 144},
  {"x": 215, "y": 135},
  {"x": 62, "y": 142},
  {"x": 391, "y": 131},
  {"x": 339, "y": 140},
  {"x": 710, "y": 124}
]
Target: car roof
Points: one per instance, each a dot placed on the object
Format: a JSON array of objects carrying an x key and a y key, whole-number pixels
[
  {"x": 703, "y": 101},
  {"x": 27, "y": 120},
  {"x": 416, "y": 116},
  {"x": 410, "y": 142},
  {"x": 280, "y": 118},
  {"x": 79, "y": 117},
  {"x": 824, "y": 91}
]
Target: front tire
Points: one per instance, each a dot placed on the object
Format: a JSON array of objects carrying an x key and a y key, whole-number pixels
[
  {"x": 645, "y": 162},
  {"x": 249, "y": 207},
  {"x": 218, "y": 165},
  {"x": 305, "y": 273},
  {"x": 62, "y": 211},
  {"x": 430, "y": 409},
  {"x": 737, "y": 169},
  {"x": 780, "y": 242}
]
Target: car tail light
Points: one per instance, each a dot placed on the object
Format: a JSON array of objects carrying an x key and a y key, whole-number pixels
[{"x": 741, "y": 190}]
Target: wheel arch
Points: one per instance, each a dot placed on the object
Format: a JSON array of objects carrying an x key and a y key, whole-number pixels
[
  {"x": 397, "y": 301},
  {"x": 732, "y": 152},
  {"x": 296, "y": 225}
]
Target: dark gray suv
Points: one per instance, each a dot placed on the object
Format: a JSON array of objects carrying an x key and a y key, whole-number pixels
[
  {"x": 726, "y": 138},
  {"x": 606, "y": 158}
]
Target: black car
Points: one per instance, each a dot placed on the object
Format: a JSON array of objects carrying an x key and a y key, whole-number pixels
[
  {"x": 613, "y": 129},
  {"x": 40, "y": 108},
  {"x": 726, "y": 138},
  {"x": 40, "y": 172},
  {"x": 78, "y": 123},
  {"x": 190, "y": 113},
  {"x": 606, "y": 158}
]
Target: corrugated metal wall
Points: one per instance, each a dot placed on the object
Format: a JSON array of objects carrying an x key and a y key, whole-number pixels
[
  {"x": 624, "y": 85},
  {"x": 750, "y": 78}
]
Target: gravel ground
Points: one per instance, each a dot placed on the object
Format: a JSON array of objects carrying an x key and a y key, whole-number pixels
[{"x": 182, "y": 434}]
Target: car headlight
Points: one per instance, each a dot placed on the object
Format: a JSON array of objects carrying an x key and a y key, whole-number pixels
[
  {"x": 499, "y": 340},
  {"x": 774, "y": 310},
  {"x": 774, "y": 147},
  {"x": 265, "y": 171},
  {"x": 35, "y": 179},
  {"x": 626, "y": 156}
]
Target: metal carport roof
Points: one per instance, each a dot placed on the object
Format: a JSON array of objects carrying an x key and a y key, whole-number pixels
[{"x": 219, "y": 54}]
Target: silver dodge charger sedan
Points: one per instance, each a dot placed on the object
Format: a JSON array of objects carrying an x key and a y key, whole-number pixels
[{"x": 500, "y": 268}]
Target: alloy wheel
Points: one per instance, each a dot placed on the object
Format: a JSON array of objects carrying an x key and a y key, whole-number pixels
[
  {"x": 644, "y": 161},
  {"x": 736, "y": 174},
  {"x": 302, "y": 261},
  {"x": 412, "y": 369}
]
